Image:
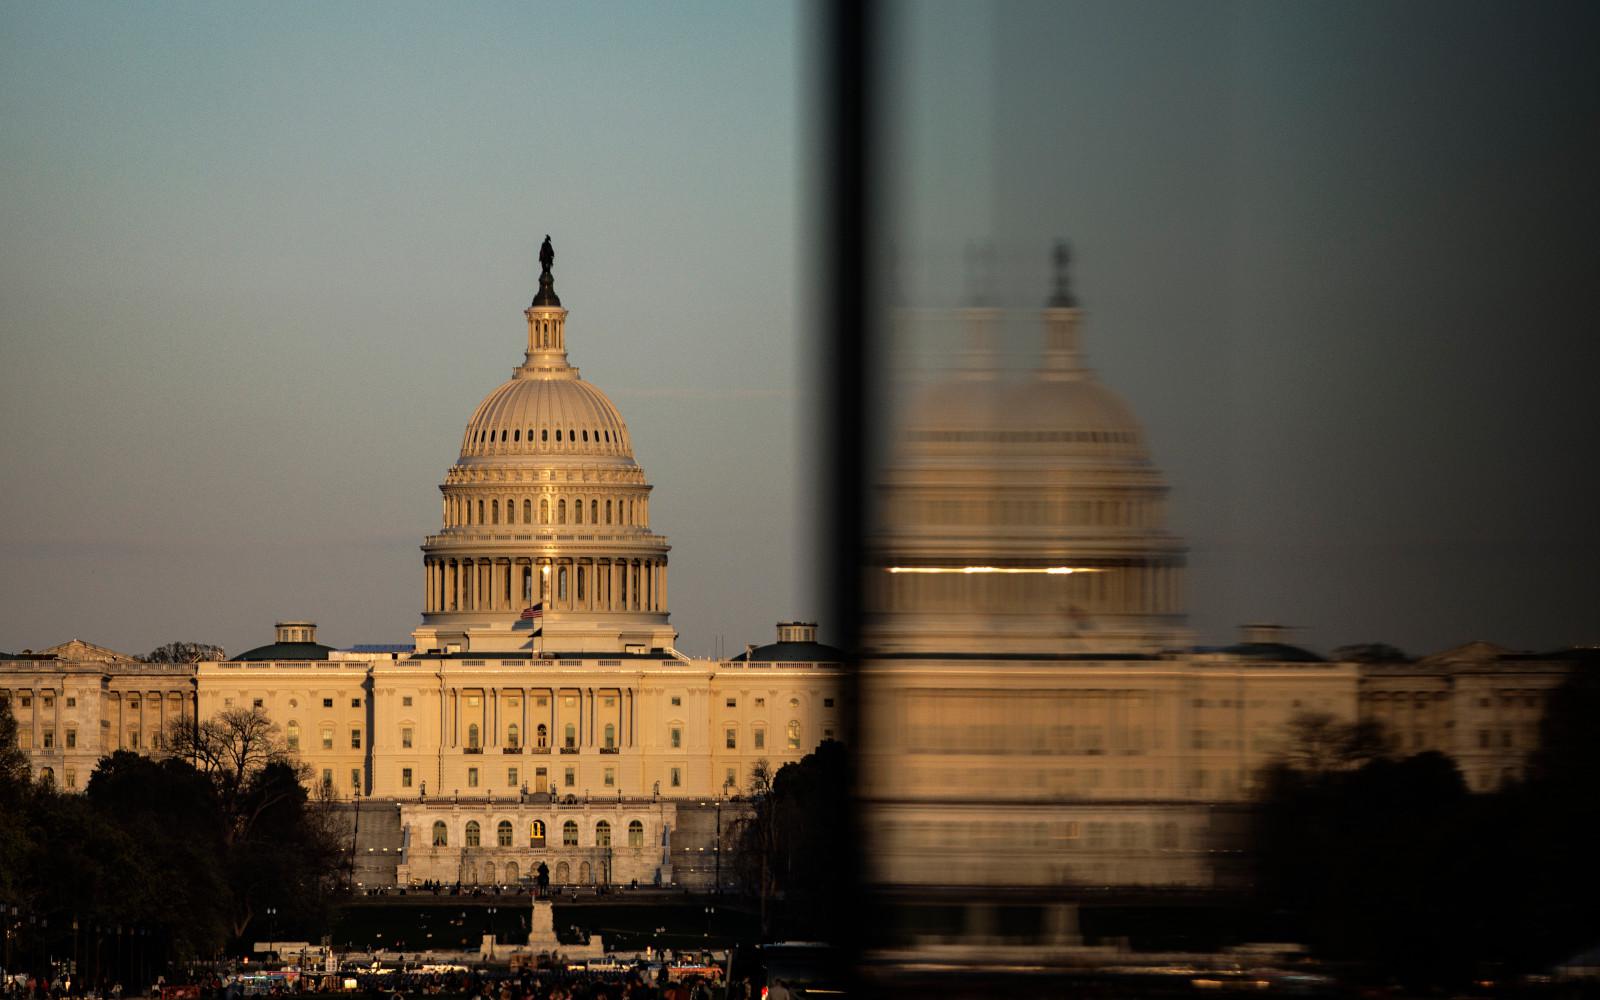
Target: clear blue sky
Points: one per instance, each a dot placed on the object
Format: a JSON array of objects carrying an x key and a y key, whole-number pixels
[{"x": 260, "y": 262}]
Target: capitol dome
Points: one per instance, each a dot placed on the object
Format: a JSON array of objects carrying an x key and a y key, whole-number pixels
[
  {"x": 1024, "y": 516},
  {"x": 543, "y": 417},
  {"x": 546, "y": 542}
]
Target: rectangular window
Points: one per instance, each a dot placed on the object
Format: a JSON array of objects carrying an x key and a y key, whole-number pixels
[
  {"x": 133, "y": 739},
  {"x": 405, "y": 737},
  {"x": 733, "y": 702},
  {"x": 732, "y": 739},
  {"x": 72, "y": 738},
  {"x": 50, "y": 702},
  {"x": 761, "y": 703},
  {"x": 677, "y": 778},
  {"x": 355, "y": 739},
  {"x": 405, "y": 777},
  {"x": 570, "y": 778},
  {"x": 611, "y": 777},
  {"x": 473, "y": 701},
  {"x": 406, "y": 701},
  {"x": 49, "y": 738},
  {"x": 257, "y": 703},
  {"x": 327, "y": 739},
  {"x": 72, "y": 778},
  {"x": 25, "y": 737},
  {"x": 676, "y": 737},
  {"x": 327, "y": 777},
  {"x": 355, "y": 778},
  {"x": 355, "y": 702},
  {"x": 511, "y": 777},
  {"x": 72, "y": 703},
  {"x": 27, "y": 701},
  {"x": 761, "y": 739},
  {"x": 731, "y": 780},
  {"x": 472, "y": 777},
  {"x": 827, "y": 734},
  {"x": 676, "y": 700},
  {"x": 827, "y": 703},
  {"x": 610, "y": 702}
]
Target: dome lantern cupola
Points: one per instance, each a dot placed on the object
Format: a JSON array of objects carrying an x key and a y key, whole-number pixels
[
  {"x": 1062, "y": 360},
  {"x": 547, "y": 326}
]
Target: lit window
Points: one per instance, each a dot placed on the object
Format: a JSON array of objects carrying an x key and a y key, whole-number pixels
[
  {"x": 294, "y": 737},
  {"x": 536, "y": 833},
  {"x": 794, "y": 735}
]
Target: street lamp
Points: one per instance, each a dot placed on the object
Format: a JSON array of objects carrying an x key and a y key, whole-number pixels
[{"x": 272, "y": 920}]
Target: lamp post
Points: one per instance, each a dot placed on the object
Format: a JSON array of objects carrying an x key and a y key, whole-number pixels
[{"x": 272, "y": 924}]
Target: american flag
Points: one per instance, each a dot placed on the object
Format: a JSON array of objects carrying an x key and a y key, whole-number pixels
[{"x": 533, "y": 613}]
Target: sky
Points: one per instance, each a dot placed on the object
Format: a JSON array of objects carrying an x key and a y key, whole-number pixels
[{"x": 259, "y": 264}]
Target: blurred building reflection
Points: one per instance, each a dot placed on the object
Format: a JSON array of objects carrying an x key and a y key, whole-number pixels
[{"x": 1038, "y": 725}]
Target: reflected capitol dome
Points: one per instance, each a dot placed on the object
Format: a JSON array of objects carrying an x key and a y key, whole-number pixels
[{"x": 1024, "y": 515}]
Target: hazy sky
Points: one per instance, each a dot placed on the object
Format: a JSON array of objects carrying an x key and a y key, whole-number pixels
[{"x": 259, "y": 264}]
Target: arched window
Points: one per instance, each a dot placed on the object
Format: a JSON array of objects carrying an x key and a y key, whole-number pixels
[
  {"x": 569, "y": 736},
  {"x": 544, "y": 510},
  {"x": 569, "y": 833},
  {"x": 536, "y": 833},
  {"x": 293, "y": 737},
  {"x": 480, "y": 511},
  {"x": 502, "y": 833},
  {"x": 472, "y": 735},
  {"x": 794, "y": 734},
  {"x": 635, "y": 833},
  {"x": 474, "y": 833},
  {"x": 513, "y": 735},
  {"x": 561, "y": 508},
  {"x": 577, "y": 512},
  {"x": 602, "y": 834},
  {"x": 527, "y": 512},
  {"x": 594, "y": 512},
  {"x": 608, "y": 511},
  {"x": 611, "y": 736},
  {"x": 441, "y": 836},
  {"x": 561, "y": 581},
  {"x": 541, "y": 737},
  {"x": 494, "y": 512}
]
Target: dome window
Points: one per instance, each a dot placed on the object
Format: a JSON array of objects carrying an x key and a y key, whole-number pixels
[
  {"x": 516, "y": 435},
  {"x": 572, "y": 435},
  {"x": 586, "y": 435},
  {"x": 558, "y": 435},
  {"x": 544, "y": 435}
]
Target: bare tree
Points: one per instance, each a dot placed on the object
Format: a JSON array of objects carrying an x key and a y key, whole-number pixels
[
  {"x": 1319, "y": 743},
  {"x": 232, "y": 748}
]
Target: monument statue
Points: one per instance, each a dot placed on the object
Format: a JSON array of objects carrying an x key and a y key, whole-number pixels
[{"x": 547, "y": 255}]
